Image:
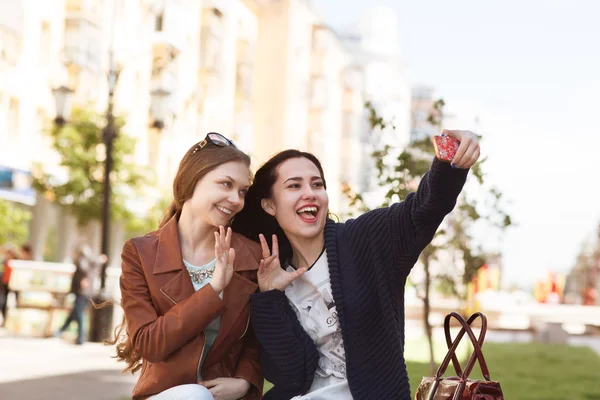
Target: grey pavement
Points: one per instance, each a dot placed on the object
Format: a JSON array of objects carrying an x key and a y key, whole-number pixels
[
  {"x": 36, "y": 368},
  {"x": 53, "y": 369}
]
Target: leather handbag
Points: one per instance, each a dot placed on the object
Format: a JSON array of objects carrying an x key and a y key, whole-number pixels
[{"x": 460, "y": 387}]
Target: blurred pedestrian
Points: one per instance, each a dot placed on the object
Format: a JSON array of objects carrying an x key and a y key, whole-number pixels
[
  {"x": 87, "y": 268},
  {"x": 25, "y": 253},
  {"x": 10, "y": 253}
]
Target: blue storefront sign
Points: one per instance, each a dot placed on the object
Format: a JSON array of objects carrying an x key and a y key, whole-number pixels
[{"x": 15, "y": 185}]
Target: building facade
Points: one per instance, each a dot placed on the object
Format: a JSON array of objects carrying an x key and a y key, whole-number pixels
[{"x": 267, "y": 73}]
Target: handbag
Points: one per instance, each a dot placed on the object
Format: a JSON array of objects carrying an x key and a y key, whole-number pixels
[{"x": 460, "y": 387}]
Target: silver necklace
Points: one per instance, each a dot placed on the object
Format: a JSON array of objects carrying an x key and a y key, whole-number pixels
[{"x": 200, "y": 275}]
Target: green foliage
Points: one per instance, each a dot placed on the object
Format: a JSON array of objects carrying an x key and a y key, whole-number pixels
[
  {"x": 14, "y": 221},
  {"x": 529, "y": 371},
  {"x": 82, "y": 153},
  {"x": 148, "y": 223},
  {"x": 400, "y": 173},
  {"x": 532, "y": 371}
]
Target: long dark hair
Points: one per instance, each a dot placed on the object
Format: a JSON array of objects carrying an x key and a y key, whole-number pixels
[
  {"x": 194, "y": 165},
  {"x": 253, "y": 219}
]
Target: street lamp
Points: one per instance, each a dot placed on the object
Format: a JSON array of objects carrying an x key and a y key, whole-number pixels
[
  {"x": 159, "y": 109},
  {"x": 62, "y": 97},
  {"x": 101, "y": 319}
]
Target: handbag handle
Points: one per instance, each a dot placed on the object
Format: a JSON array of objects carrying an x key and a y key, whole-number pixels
[
  {"x": 476, "y": 346},
  {"x": 451, "y": 355}
]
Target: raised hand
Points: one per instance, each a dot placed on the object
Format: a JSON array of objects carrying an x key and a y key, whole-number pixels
[
  {"x": 270, "y": 274},
  {"x": 468, "y": 151},
  {"x": 225, "y": 256}
]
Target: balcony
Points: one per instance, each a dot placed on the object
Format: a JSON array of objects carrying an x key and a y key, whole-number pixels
[
  {"x": 256, "y": 5},
  {"x": 90, "y": 10},
  {"x": 353, "y": 101},
  {"x": 244, "y": 70},
  {"x": 318, "y": 93},
  {"x": 11, "y": 33},
  {"x": 166, "y": 47},
  {"x": 211, "y": 40},
  {"x": 83, "y": 35},
  {"x": 10, "y": 48}
]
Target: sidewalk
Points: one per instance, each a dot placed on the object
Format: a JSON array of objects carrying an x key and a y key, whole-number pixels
[{"x": 34, "y": 368}]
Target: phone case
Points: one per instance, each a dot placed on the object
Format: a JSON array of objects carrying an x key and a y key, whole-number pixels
[{"x": 445, "y": 147}]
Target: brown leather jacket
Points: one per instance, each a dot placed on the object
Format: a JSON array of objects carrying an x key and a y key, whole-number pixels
[{"x": 166, "y": 318}]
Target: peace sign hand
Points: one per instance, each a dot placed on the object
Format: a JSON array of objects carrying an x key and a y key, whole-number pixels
[{"x": 270, "y": 274}]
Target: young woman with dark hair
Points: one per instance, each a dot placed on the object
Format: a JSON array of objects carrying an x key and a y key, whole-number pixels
[{"x": 330, "y": 312}]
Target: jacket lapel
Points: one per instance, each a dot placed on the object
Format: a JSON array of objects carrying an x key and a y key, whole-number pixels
[
  {"x": 235, "y": 297},
  {"x": 169, "y": 259}
]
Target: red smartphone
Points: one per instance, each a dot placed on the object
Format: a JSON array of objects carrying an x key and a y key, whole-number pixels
[{"x": 445, "y": 147}]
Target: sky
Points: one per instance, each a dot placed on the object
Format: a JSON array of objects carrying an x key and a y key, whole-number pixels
[{"x": 530, "y": 72}]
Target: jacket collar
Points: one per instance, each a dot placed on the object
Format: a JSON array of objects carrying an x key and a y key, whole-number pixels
[
  {"x": 168, "y": 253},
  {"x": 169, "y": 257}
]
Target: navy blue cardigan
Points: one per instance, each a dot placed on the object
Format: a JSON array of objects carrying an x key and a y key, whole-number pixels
[{"x": 369, "y": 260}]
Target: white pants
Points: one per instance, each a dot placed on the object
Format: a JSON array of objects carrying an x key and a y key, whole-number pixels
[
  {"x": 337, "y": 391},
  {"x": 190, "y": 391}
]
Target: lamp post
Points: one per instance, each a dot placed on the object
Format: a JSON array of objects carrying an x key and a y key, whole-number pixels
[
  {"x": 62, "y": 97},
  {"x": 101, "y": 319},
  {"x": 159, "y": 109}
]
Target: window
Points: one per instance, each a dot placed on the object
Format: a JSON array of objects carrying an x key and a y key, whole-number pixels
[
  {"x": 318, "y": 98},
  {"x": 211, "y": 39},
  {"x": 9, "y": 47},
  {"x": 13, "y": 117},
  {"x": 158, "y": 22},
  {"x": 45, "y": 42},
  {"x": 244, "y": 69},
  {"x": 40, "y": 123},
  {"x": 83, "y": 43}
]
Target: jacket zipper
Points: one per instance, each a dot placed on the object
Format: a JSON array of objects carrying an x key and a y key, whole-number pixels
[
  {"x": 247, "y": 325},
  {"x": 198, "y": 372},
  {"x": 167, "y": 296},
  {"x": 203, "y": 342},
  {"x": 246, "y": 330}
]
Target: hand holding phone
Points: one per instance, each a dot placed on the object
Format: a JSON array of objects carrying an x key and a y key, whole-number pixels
[
  {"x": 445, "y": 147},
  {"x": 460, "y": 148}
]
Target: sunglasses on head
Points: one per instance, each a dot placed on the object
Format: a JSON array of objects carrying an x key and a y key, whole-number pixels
[{"x": 214, "y": 138}]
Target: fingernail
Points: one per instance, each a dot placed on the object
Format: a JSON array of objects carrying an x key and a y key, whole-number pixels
[
  {"x": 453, "y": 165},
  {"x": 443, "y": 134}
]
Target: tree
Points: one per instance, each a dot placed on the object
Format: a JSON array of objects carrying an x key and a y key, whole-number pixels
[
  {"x": 82, "y": 152},
  {"x": 13, "y": 223},
  {"x": 149, "y": 222},
  {"x": 399, "y": 175},
  {"x": 582, "y": 281}
]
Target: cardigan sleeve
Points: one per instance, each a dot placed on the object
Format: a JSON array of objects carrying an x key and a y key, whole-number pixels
[
  {"x": 404, "y": 229},
  {"x": 289, "y": 357}
]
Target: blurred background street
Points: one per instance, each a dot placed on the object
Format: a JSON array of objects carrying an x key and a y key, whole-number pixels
[{"x": 122, "y": 88}]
